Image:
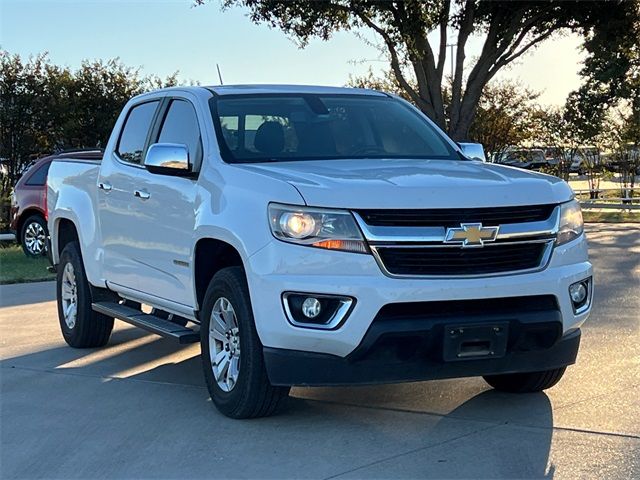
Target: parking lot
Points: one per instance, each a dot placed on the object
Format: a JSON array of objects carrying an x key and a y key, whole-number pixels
[{"x": 139, "y": 408}]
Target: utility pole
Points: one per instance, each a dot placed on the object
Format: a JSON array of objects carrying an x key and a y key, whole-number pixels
[{"x": 452, "y": 45}]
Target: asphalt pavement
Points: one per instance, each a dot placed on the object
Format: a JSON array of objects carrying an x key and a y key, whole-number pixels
[{"x": 138, "y": 408}]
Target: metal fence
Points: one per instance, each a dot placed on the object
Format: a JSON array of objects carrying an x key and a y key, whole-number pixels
[{"x": 623, "y": 201}]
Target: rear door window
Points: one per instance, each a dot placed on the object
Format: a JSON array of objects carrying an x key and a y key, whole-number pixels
[
  {"x": 39, "y": 177},
  {"x": 134, "y": 133}
]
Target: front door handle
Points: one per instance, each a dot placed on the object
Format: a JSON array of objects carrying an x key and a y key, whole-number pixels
[
  {"x": 106, "y": 186},
  {"x": 142, "y": 194}
]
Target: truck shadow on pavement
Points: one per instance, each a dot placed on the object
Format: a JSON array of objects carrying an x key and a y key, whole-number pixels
[{"x": 448, "y": 428}]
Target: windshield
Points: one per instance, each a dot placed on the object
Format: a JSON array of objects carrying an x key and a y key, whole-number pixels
[{"x": 261, "y": 128}]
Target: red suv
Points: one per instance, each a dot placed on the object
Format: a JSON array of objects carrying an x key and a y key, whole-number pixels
[{"x": 29, "y": 203}]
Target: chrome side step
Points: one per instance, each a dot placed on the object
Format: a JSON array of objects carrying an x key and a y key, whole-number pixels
[{"x": 151, "y": 323}]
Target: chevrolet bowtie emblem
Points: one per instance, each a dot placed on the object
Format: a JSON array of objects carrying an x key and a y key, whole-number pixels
[{"x": 471, "y": 234}]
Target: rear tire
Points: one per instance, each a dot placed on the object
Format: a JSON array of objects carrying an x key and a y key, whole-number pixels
[
  {"x": 235, "y": 376},
  {"x": 526, "y": 382},
  {"x": 81, "y": 326},
  {"x": 33, "y": 236}
]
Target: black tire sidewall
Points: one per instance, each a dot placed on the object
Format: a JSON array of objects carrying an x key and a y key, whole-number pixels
[
  {"x": 33, "y": 219},
  {"x": 87, "y": 321},
  {"x": 231, "y": 284}
]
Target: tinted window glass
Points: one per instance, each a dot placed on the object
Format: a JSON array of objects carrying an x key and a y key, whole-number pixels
[
  {"x": 229, "y": 126},
  {"x": 309, "y": 127},
  {"x": 134, "y": 133},
  {"x": 181, "y": 126},
  {"x": 39, "y": 177}
]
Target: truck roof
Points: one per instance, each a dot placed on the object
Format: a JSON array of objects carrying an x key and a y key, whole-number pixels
[
  {"x": 312, "y": 89},
  {"x": 266, "y": 89}
]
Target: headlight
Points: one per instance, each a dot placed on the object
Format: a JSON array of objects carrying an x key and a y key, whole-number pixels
[
  {"x": 571, "y": 224},
  {"x": 316, "y": 227}
]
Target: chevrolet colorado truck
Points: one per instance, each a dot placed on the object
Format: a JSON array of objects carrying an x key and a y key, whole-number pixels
[{"x": 317, "y": 236}]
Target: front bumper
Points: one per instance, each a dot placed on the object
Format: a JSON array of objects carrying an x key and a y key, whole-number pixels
[
  {"x": 280, "y": 267},
  {"x": 290, "y": 367}
]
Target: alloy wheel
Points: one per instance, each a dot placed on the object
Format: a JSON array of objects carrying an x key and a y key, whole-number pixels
[
  {"x": 224, "y": 344},
  {"x": 69, "y": 294},
  {"x": 34, "y": 238}
]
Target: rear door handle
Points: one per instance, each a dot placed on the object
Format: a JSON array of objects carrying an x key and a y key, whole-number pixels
[
  {"x": 106, "y": 186},
  {"x": 142, "y": 194}
]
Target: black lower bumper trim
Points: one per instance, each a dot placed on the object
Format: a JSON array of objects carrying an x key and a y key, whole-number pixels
[{"x": 292, "y": 367}]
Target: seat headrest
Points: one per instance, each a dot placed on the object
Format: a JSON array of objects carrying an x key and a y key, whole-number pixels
[{"x": 269, "y": 138}]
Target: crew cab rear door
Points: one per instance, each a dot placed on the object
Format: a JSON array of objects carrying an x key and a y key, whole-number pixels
[{"x": 118, "y": 209}]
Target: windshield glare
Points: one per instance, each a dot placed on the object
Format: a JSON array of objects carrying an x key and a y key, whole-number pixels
[{"x": 260, "y": 128}]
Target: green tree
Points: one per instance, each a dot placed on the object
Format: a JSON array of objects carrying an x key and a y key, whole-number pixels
[
  {"x": 554, "y": 132},
  {"x": 506, "y": 116},
  {"x": 509, "y": 29},
  {"x": 25, "y": 111},
  {"x": 611, "y": 70},
  {"x": 45, "y": 108}
]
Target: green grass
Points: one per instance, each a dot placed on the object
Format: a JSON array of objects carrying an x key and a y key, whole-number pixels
[
  {"x": 16, "y": 267},
  {"x": 615, "y": 216}
]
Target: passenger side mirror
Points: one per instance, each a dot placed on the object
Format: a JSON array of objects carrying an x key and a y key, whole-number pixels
[
  {"x": 474, "y": 151},
  {"x": 168, "y": 159}
]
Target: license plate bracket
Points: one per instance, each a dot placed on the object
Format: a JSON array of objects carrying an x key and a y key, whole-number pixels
[{"x": 475, "y": 341}]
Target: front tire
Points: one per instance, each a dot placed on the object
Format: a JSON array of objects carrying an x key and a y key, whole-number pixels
[
  {"x": 232, "y": 357},
  {"x": 526, "y": 382},
  {"x": 81, "y": 326},
  {"x": 33, "y": 236}
]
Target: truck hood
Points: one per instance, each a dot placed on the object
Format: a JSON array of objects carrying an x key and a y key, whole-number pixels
[{"x": 392, "y": 183}]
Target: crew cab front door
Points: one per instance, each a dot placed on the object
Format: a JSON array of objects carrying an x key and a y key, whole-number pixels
[{"x": 166, "y": 211}]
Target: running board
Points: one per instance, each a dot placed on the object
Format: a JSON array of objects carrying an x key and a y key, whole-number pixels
[{"x": 151, "y": 323}]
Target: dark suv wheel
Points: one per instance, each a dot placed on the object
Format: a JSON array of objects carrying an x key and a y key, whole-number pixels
[{"x": 33, "y": 236}]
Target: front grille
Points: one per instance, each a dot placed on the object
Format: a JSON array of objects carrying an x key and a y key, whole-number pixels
[
  {"x": 496, "y": 258},
  {"x": 453, "y": 217}
]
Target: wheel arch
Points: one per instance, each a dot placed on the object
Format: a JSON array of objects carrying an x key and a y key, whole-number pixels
[
  {"x": 210, "y": 256},
  {"x": 29, "y": 212},
  {"x": 65, "y": 231}
]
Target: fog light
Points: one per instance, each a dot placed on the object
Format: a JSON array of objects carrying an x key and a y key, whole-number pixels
[
  {"x": 316, "y": 310},
  {"x": 311, "y": 307},
  {"x": 578, "y": 292}
]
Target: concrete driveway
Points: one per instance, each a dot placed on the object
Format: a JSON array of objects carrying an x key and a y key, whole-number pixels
[{"x": 138, "y": 408}]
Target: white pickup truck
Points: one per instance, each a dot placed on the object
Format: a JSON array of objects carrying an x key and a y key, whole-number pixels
[{"x": 317, "y": 236}]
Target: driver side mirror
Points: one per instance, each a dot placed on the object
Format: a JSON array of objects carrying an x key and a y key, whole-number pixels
[
  {"x": 474, "y": 151},
  {"x": 168, "y": 159}
]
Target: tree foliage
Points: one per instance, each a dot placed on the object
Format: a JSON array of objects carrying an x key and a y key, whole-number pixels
[
  {"x": 611, "y": 70},
  {"x": 509, "y": 29},
  {"x": 45, "y": 108},
  {"x": 507, "y": 115}
]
